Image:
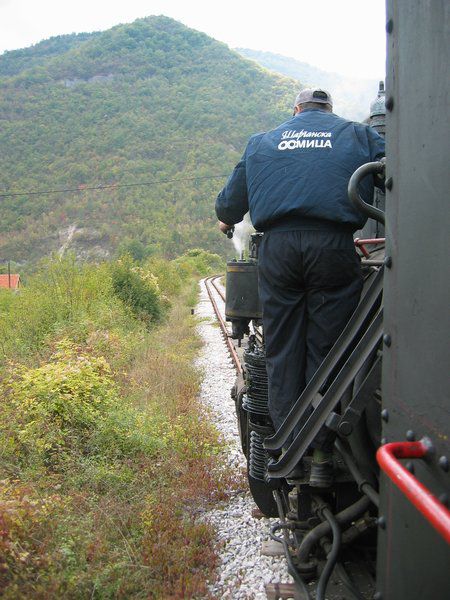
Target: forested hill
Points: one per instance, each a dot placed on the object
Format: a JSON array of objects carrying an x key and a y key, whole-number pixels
[
  {"x": 152, "y": 101},
  {"x": 351, "y": 95}
]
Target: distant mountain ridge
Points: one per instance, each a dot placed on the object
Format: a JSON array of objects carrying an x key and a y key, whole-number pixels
[
  {"x": 152, "y": 101},
  {"x": 14, "y": 61},
  {"x": 351, "y": 96}
]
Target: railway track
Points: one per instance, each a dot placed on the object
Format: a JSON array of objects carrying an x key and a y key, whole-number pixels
[
  {"x": 215, "y": 293},
  {"x": 217, "y": 297},
  {"x": 341, "y": 586}
]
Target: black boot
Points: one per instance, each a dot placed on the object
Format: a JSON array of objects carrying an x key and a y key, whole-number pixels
[{"x": 322, "y": 470}]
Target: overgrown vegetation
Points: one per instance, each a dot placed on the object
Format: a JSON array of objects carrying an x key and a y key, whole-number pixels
[
  {"x": 106, "y": 456},
  {"x": 152, "y": 101}
]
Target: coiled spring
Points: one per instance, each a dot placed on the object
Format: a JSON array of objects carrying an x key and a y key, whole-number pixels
[{"x": 257, "y": 457}]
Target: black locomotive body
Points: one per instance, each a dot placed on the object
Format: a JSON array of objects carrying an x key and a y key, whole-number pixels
[{"x": 383, "y": 388}]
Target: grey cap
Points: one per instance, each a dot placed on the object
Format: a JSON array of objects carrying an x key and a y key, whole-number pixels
[{"x": 314, "y": 95}]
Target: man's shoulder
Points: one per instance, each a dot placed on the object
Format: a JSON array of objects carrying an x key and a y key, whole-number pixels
[
  {"x": 255, "y": 140},
  {"x": 257, "y": 136},
  {"x": 363, "y": 131},
  {"x": 337, "y": 119},
  {"x": 368, "y": 133}
]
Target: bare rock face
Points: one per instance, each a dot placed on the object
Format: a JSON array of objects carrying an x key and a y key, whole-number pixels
[
  {"x": 87, "y": 243},
  {"x": 70, "y": 83}
]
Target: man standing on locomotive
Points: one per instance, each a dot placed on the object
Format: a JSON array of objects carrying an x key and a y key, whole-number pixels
[{"x": 293, "y": 180}]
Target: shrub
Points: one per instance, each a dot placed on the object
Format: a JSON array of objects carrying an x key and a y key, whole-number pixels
[
  {"x": 138, "y": 289},
  {"x": 61, "y": 298},
  {"x": 134, "y": 248},
  {"x": 200, "y": 262},
  {"x": 106, "y": 452},
  {"x": 26, "y": 522},
  {"x": 169, "y": 274},
  {"x": 57, "y": 405}
]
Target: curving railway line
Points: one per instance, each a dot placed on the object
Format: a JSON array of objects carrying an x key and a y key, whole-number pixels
[
  {"x": 216, "y": 296},
  {"x": 349, "y": 567}
]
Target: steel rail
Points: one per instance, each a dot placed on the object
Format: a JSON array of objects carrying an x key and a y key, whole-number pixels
[
  {"x": 234, "y": 356},
  {"x": 217, "y": 288}
]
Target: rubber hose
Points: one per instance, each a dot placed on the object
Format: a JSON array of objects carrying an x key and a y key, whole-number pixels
[
  {"x": 348, "y": 514},
  {"x": 365, "y": 487},
  {"x": 292, "y": 570},
  {"x": 333, "y": 555}
]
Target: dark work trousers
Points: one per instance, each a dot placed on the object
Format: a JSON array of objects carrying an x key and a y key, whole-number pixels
[{"x": 310, "y": 282}]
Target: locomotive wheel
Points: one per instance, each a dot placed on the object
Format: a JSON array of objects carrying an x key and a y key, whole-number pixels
[
  {"x": 242, "y": 419},
  {"x": 263, "y": 496},
  {"x": 261, "y": 491}
]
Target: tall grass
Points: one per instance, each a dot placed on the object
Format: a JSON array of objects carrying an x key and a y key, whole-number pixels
[
  {"x": 106, "y": 456},
  {"x": 62, "y": 296}
]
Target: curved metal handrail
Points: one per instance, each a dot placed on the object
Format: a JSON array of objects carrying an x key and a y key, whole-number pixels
[
  {"x": 431, "y": 508},
  {"x": 361, "y": 172}
]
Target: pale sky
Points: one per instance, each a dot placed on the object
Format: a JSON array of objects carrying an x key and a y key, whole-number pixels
[{"x": 345, "y": 36}]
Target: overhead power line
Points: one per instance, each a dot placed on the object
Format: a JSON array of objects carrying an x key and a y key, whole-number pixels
[{"x": 108, "y": 186}]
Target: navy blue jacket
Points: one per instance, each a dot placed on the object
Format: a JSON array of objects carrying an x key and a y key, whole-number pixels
[{"x": 301, "y": 170}]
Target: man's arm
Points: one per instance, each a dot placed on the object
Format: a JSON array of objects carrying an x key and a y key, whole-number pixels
[
  {"x": 232, "y": 202},
  {"x": 377, "y": 151}
]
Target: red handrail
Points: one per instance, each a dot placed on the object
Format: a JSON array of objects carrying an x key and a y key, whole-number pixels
[
  {"x": 362, "y": 241},
  {"x": 430, "y": 507},
  {"x": 361, "y": 244}
]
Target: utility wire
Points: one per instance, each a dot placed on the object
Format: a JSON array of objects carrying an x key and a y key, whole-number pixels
[{"x": 108, "y": 186}]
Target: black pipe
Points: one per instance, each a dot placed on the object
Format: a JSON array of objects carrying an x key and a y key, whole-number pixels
[
  {"x": 348, "y": 514},
  {"x": 357, "y": 440},
  {"x": 284, "y": 540},
  {"x": 277, "y": 527},
  {"x": 371, "y": 168},
  {"x": 363, "y": 485},
  {"x": 332, "y": 557}
]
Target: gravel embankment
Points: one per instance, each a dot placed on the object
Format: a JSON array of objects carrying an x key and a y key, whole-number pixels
[{"x": 242, "y": 572}]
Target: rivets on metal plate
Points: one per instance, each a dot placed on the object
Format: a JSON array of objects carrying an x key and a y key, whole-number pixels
[
  {"x": 381, "y": 522},
  {"x": 388, "y": 261},
  {"x": 410, "y": 467},
  {"x": 385, "y": 415},
  {"x": 389, "y": 104},
  {"x": 443, "y": 462},
  {"x": 389, "y": 183},
  {"x": 410, "y": 435},
  {"x": 387, "y": 340},
  {"x": 443, "y": 499}
]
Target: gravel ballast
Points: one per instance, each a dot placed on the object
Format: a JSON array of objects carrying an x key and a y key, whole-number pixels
[{"x": 242, "y": 572}]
